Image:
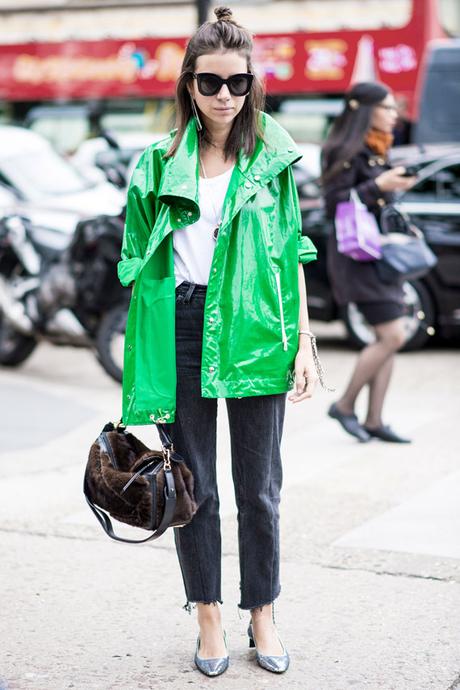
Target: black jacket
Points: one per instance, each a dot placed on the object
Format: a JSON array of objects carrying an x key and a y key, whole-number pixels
[{"x": 357, "y": 281}]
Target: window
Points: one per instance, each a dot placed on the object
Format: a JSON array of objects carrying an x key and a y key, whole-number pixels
[
  {"x": 449, "y": 16},
  {"x": 442, "y": 185},
  {"x": 448, "y": 183}
]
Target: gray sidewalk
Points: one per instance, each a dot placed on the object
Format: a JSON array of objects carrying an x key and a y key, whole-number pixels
[{"x": 370, "y": 545}]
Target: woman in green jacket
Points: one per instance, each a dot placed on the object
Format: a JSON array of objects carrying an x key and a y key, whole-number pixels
[{"x": 214, "y": 251}]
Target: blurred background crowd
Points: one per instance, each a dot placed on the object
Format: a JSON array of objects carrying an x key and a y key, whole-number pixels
[{"x": 86, "y": 85}]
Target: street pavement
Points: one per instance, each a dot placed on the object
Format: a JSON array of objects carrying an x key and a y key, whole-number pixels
[{"x": 370, "y": 543}]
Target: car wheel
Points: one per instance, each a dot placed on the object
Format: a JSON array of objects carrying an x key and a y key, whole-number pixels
[{"x": 418, "y": 323}]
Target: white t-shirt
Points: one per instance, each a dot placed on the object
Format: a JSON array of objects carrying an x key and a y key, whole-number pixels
[{"x": 194, "y": 244}]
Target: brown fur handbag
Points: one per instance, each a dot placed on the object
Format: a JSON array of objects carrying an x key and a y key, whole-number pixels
[{"x": 145, "y": 488}]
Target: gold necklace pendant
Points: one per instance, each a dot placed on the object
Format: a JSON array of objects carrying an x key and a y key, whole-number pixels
[{"x": 216, "y": 231}]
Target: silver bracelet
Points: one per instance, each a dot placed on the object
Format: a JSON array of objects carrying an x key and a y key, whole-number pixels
[{"x": 316, "y": 360}]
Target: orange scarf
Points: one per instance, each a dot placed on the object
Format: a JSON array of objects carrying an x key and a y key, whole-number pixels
[{"x": 378, "y": 141}]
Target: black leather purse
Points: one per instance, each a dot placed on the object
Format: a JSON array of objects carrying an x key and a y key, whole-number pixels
[
  {"x": 405, "y": 261},
  {"x": 402, "y": 261},
  {"x": 144, "y": 488}
]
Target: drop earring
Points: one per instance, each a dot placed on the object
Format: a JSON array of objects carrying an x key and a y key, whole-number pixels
[{"x": 199, "y": 126}]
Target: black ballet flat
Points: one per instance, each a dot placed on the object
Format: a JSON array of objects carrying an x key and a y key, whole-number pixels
[
  {"x": 350, "y": 424},
  {"x": 386, "y": 433}
]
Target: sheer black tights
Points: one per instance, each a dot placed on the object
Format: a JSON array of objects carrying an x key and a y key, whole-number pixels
[{"x": 374, "y": 368}]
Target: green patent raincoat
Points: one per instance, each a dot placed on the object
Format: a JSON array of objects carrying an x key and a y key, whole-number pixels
[{"x": 252, "y": 303}]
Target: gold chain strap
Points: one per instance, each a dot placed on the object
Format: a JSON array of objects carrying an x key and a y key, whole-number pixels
[{"x": 317, "y": 361}]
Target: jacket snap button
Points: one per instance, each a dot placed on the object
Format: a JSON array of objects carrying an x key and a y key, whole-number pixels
[
  {"x": 214, "y": 270},
  {"x": 167, "y": 415},
  {"x": 247, "y": 185},
  {"x": 211, "y": 368},
  {"x": 257, "y": 178},
  {"x": 211, "y": 319},
  {"x": 178, "y": 220},
  {"x": 189, "y": 213},
  {"x": 290, "y": 149}
]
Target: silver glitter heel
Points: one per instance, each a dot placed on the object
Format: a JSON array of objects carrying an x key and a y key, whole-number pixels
[
  {"x": 275, "y": 664},
  {"x": 211, "y": 667}
]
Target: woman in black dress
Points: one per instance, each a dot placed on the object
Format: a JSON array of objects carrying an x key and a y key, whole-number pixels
[{"x": 355, "y": 157}]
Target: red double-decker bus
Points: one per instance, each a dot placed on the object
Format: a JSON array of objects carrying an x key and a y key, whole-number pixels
[{"x": 336, "y": 43}]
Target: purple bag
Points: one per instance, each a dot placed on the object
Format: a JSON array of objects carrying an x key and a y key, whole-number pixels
[{"x": 357, "y": 231}]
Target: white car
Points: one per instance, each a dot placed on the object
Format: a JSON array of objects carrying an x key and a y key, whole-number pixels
[{"x": 37, "y": 182}]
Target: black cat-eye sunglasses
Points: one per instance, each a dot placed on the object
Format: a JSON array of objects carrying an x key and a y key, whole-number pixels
[{"x": 210, "y": 84}]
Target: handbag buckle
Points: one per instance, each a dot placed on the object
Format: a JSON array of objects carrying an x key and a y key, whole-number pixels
[{"x": 166, "y": 459}]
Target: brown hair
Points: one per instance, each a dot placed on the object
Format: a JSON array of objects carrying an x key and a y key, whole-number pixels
[{"x": 211, "y": 37}]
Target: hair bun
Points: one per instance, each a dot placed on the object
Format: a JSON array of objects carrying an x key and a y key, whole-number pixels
[{"x": 223, "y": 14}]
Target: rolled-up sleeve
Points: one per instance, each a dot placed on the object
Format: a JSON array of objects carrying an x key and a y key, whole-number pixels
[
  {"x": 140, "y": 219},
  {"x": 306, "y": 250}
]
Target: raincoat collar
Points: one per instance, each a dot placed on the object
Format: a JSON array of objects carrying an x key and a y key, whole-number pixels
[{"x": 179, "y": 182}]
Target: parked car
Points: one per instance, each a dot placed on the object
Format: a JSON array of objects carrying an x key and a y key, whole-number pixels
[
  {"x": 433, "y": 204},
  {"x": 38, "y": 183}
]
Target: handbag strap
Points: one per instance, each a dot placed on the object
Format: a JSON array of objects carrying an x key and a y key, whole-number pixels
[
  {"x": 354, "y": 197},
  {"x": 170, "y": 505},
  {"x": 165, "y": 438}
]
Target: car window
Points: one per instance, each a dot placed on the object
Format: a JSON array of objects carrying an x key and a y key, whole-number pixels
[
  {"x": 426, "y": 187},
  {"x": 442, "y": 185},
  {"x": 448, "y": 183},
  {"x": 42, "y": 173}
]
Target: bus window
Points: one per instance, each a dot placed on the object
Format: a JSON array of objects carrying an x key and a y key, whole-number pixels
[
  {"x": 353, "y": 15},
  {"x": 439, "y": 118},
  {"x": 307, "y": 119},
  {"x": 449, "y": 16}
]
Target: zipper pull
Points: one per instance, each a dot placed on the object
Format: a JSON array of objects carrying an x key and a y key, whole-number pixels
[{"x": 135, "y": 476}]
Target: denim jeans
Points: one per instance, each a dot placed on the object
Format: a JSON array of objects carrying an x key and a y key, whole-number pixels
[{"x": 256, "y": 425}]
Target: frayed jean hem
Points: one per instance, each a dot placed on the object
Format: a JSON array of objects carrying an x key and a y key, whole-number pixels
[
  {"x": 189, "y": 605},
  {"x": 259, "y": 605}
]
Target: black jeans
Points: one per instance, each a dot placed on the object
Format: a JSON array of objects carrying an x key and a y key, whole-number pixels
[{"x": 256, "y": 425}]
